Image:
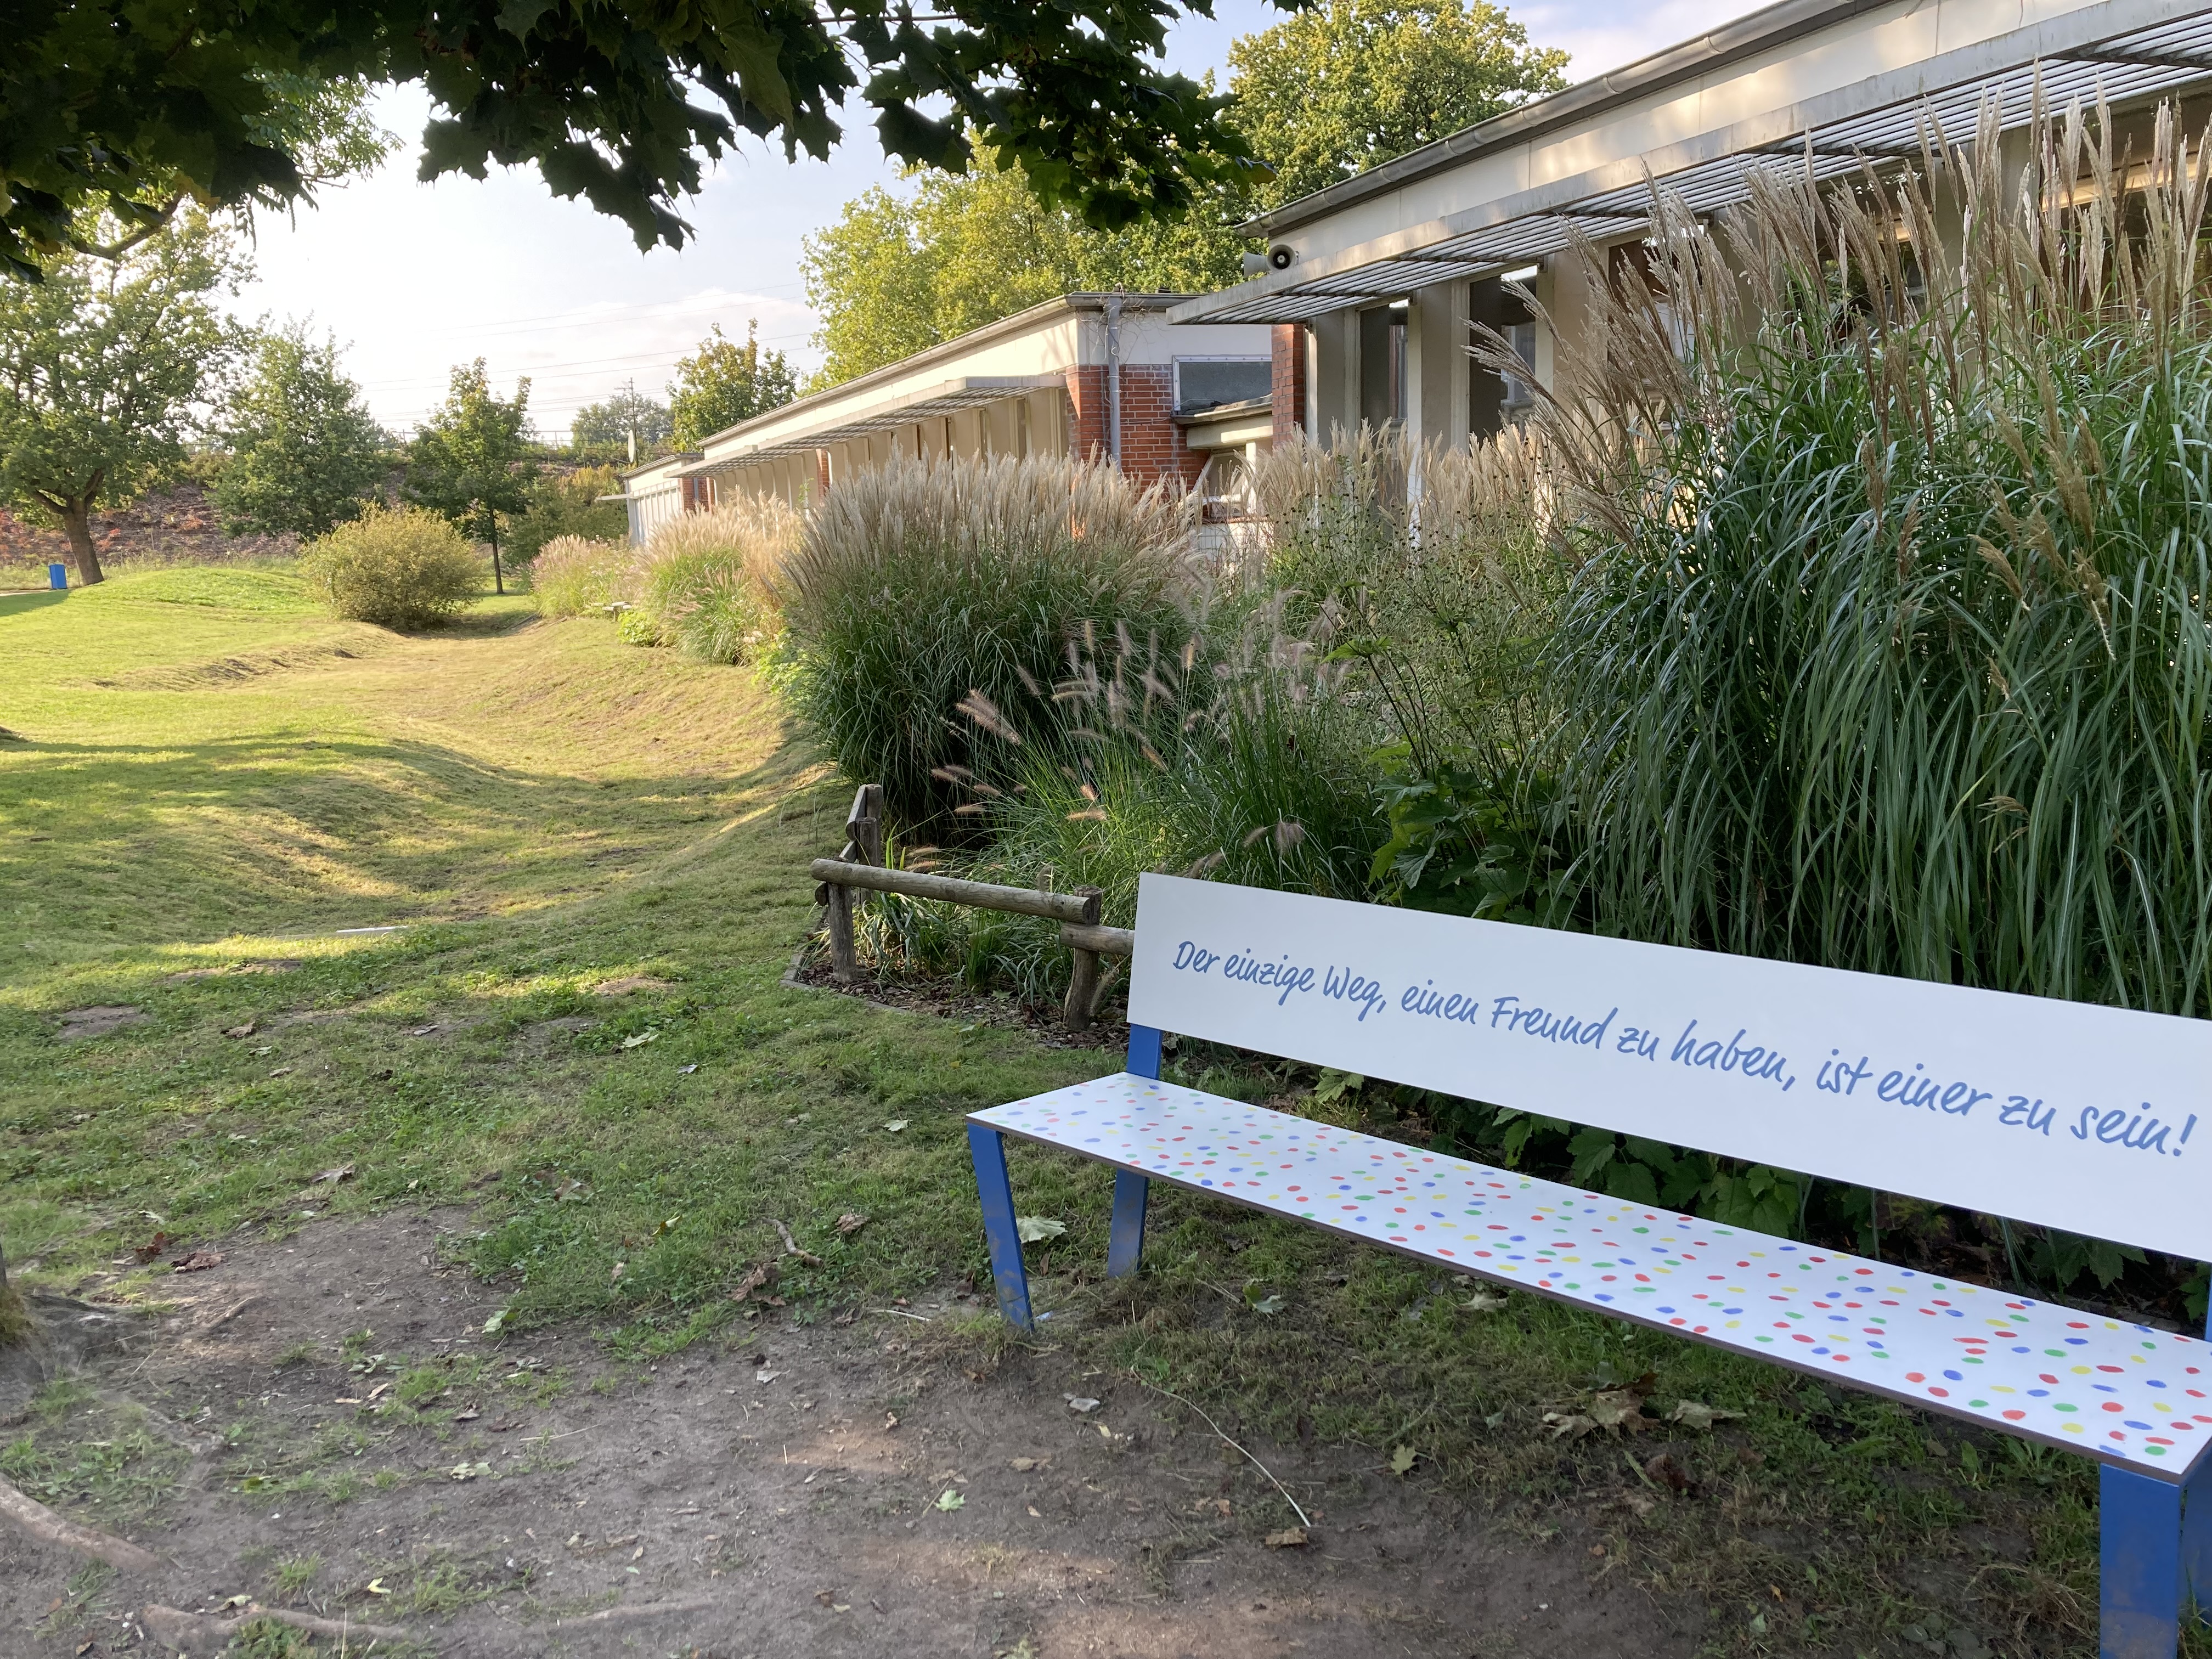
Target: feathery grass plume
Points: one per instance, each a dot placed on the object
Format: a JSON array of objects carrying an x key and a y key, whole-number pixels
[
  {"x": 705, "y": 582},
  {"x": 573, "y": 576},
  {"x": 918, "y": 586},
  {"x": 1886, "y": 645}
]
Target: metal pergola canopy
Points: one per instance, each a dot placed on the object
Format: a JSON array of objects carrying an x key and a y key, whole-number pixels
[{"x": 2126, "y": 70}]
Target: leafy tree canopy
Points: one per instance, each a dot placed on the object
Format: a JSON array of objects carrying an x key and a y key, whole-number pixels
[
  {"x": 607, "y": 428},
  {"x": 1319, "y": 98},
  {"x": 723, "y": 383},
  {"x": 304, "y": 451},
  {"x": 138, "y": 105},
  {"x": 471, "y": 460},
  {"x": 897, "y": 273},
  {"x": 1353, "y": 83},
  {"x": 102, "y": 369}
]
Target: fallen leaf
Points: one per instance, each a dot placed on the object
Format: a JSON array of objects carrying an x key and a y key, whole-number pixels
[
  {"x": 1035, "y": 1229},
  {"x": 1024, "y": 1465},
  {"x": 198, "y": 1262},
  {"x": 686, "y": 1071},
  {"x": 423, "y": 1030},
  {"x": 764, "y": 1376},
  {"x": 261, "y": 1053},
  {"x": 496, "y": 1323},
  {"x": 1618, "y": 1408},
  {"x": 1291, "y": 1538},
  {"x": 1696, "y": 1414},
  {"x": 896, "y": 1124},
  {"x": 851, "y": 1222},
  {"x": 621, "y": 1267},
  {"x": 890, "y": 1420},
  {"x": 343, "y": 1172},
  {"x": 282, "y": 1071},
  {"x": 1484, "y": 1302},
  {"x": 1077, "y": 1402},
  {"x": 375, "y": 1587},
  {"x": 1402, "y": 1460},
  {"x": 756, "y": 1284},
  {"x": 949, "y": 1499},
  {"x": 1032, "y": 1509},
  {"x": 245, "y": 1031},
  {"x": 467, "y": 1414},
  {"x": 151, "y": 1249},
  {"x": 576, "y": 1192},
  {"x": 1269, "y": 1304},
  {"x": 641, "y": 1039},
  {"x": 1568, "y": 1426},
  {"x": 469, "y": 1471}
]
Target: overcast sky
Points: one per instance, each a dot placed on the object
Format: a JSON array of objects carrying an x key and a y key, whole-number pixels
[{"x": 413, "y": 278}]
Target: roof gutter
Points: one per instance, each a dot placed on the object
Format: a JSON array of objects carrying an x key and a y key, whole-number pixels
[{"x": 1776, "y": 25}]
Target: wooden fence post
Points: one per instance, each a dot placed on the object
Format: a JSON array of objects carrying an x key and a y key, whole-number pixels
[
  {"x": 864, "y": 844},
  {"x": 1083, "y": 978}
]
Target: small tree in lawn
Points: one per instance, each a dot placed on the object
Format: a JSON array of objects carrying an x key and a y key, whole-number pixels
[
  {"x": 102, "y": 367},
  {"x": 305, "y": 452},
  {"x": 723, "y": 383},
  {"x": 472, "y": 461}
]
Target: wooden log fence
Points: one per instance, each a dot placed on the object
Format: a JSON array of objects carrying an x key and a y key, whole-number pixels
[{"x": 861, "y": 868}]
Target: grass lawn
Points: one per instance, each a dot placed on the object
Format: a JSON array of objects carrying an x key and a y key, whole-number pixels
[{"x": 206, "y": 782}]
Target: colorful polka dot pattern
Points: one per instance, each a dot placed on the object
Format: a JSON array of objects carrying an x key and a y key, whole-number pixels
[{"x": 2125, "y": 1393}]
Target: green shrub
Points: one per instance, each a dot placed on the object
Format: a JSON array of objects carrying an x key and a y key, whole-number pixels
[
  {"x": 1248, "y": 765},
  {"x": 574, "y": 577},
  {"x": 395, "y": 567},
  {"x": 562, "y": 505},
  {"x": 704, "y": 581},
  {"x": 914, "y": 585}
]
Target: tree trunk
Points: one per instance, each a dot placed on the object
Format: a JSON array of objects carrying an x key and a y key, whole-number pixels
[
  {"x": 76, "y": 519},
  {"x": 498, "y": 583}
]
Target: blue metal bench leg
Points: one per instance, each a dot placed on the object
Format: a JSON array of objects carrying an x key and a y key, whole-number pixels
[
  {"x": 1127, "y": 1241},
  {"x": 1008, "y": 1278},
  {"x": 2139, "y": 1565}
]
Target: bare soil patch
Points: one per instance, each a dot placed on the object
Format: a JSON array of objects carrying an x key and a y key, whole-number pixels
[{"x": 341, "y": 1437}]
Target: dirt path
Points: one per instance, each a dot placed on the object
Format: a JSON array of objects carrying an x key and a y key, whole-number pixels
[{"x": 831, "y": 1490}]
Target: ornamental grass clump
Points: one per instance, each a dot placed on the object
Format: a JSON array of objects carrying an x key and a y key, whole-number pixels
[
  {"x": 915, "y": 585},
  {"x": 402, "y": 568},
  {"x": 705, "y": 582},
  {"x": 1888, "y": 645},
  {"x": 573, "y": 576}
]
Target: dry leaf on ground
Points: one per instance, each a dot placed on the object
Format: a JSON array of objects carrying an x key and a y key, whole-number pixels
[
  {"x": 1291, "y": 1538},
  {"x": 198, "y": 1262},
  {"x": 1035, "y": 1229},
  {"x": 1077, "y": 1402},
  {"x": 851, "y": 1222}
]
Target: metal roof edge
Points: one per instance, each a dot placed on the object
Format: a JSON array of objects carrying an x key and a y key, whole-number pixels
[
  {"x": 1015, "y": 324},
  {"x": 1774, "y": 25}
]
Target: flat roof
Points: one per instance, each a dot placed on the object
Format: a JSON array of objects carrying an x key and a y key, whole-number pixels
[
  {"x": 2124, "y": 52},
  {"x": 1020, "y": 322}
]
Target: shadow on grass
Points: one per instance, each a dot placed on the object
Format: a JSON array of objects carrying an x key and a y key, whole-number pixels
[
  {"x": 156, "y": 842},
  {"x": 15, "y": 604}
]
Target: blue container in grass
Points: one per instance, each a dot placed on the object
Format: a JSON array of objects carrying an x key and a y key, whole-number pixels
[{"x": 57, "y": 577}]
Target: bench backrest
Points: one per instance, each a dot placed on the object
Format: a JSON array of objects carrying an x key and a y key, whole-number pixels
[{"x": 2094, "y": 1120}]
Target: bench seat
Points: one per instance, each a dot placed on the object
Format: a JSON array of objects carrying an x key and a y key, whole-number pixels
[{"x": 2127, "y": 1393}]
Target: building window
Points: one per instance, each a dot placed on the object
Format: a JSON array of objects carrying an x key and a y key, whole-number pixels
[
  {"x": 1496, "y": 401},
  {"x": 1203, "y": 383},
  {"x": 1382, "y": 366}
]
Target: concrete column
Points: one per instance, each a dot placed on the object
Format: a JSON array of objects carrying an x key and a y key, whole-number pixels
[
  {"x": 1335, "y": 384},
  {"x": 1432, "y": 334}
]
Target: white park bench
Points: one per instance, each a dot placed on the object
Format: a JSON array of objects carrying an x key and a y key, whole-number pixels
[{"x": 2076, "y": 1116}]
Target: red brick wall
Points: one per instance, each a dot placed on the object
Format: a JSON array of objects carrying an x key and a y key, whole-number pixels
[
  {"x": 1151, "y": 443},
  {"x": 1289, "y": 388}
]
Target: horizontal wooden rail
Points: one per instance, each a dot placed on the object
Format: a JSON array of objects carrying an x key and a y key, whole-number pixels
[
  {"x": 1106, "y": 941},
  {"x": 1081, "y": 908}
]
